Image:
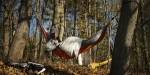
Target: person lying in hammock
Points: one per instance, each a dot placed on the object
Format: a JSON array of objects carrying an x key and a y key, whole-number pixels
[{"x": 72, "y": 46}]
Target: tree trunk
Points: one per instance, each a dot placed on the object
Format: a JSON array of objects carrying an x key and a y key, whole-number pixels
[
  {"x": 7, "y": 25},
  {"x": 122, "y": 47},
  {"x": 19, "y": 42},
  {"x": 59, "y": 17},
  {"x": 1, "y": 30},
  {"x": 140, "y": 54},
  {"x": 39, "y": 13},
  {"x": 146, "y": 31},
  {"x": 20, "y": 37}
]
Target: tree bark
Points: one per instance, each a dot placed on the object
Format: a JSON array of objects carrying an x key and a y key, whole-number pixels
[
  {"x": 122, "y": 47},
  {"x": 59, "y": 17},
  {"x": 19, "y": 42},
  {"x": 20, "y": 37},
  {"x": 7, "y": 25},
  {"x": 146, "y": 31},
  {"x": 1, "y": 29}
]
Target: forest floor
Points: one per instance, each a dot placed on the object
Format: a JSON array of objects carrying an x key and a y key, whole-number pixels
[{"x": 58, "y": 68}]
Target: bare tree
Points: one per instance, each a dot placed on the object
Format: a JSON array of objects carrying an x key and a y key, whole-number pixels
[
  {"x": 59, "y": 17},
  {"x": 7, "y": 25},
  {"x": 20, "y": 37},
  {"x": 19, "y": 42},
  {"x": 140, "y": 59},
  {"x": 123, "y": 41}
]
